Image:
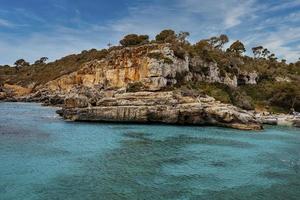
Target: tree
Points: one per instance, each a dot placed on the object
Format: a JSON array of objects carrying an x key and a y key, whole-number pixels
[
  {"x": 134, "y": 39},
  {"x": 257, "y": 51},
  {"x": 265, "y": 53},
  {"x": 213, "y": 41},
  {"x": 42, "y": 60},
  {"x": 21, "y": 63},
  {"x": 181, "y": 37},
  {"x": 272, "y": 57},
  {"x": 218, "y": 42},
  {"x": 237, "y": 47},
  {"x": 166, "y": 36},
  {"x": 202, "y": 45},
  {"x": 223, "y": 40}
]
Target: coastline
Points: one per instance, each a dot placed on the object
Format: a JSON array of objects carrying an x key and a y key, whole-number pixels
[{"x": 283, "y": 120}]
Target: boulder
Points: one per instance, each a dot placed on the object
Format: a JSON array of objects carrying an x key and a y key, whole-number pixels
[
  {"x": 76, "y": 101},
  {"x": 2, "y": 95},
  {"x": 297, "y": 123}
]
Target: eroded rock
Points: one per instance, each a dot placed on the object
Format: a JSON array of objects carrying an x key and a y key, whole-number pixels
[{"x": 162, "y": 107}]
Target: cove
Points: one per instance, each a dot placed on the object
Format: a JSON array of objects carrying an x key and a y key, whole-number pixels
[{"x": 44, "y": 157}]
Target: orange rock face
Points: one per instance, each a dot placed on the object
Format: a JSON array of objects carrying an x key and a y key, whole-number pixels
[
  {"x": 17, "y": 90},
  {"x": 125, "y": 66}
]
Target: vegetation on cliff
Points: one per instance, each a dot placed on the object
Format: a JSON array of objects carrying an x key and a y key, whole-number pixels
[{"x": 277, "y": 82}]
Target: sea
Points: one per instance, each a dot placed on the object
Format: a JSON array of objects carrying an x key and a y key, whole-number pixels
[{"x": 43, "y": 157}]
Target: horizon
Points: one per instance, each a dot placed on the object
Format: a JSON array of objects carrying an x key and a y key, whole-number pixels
[{"x": 54, "y": 29}]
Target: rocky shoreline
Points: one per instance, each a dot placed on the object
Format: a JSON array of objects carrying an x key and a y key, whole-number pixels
[
  {"x": 170, "y": 107},
  {"x": 159, "y": 107},
  {"x": 137, "y": 84}
]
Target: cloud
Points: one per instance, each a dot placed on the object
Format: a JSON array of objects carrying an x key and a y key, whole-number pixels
[
  {"x": 282, "y": 5},
  {"x": 61, "y": 42},
  {"x": 280, "y": 41},
  {"x": 269, "y": 23},
  {"x": 229, "y": 13},
  {"x": 6, "y": 23}
]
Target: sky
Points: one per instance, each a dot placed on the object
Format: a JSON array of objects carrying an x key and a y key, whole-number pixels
[{"x": 31, "y": 29}]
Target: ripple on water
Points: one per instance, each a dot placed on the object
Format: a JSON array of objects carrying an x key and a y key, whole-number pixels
[{"x": 43, "y": 157}]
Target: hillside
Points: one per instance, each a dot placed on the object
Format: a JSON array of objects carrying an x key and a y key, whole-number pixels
[{"x": 261, "y": 82}]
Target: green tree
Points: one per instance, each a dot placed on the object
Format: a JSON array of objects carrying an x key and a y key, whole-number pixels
[
  {"x": 219, "y": 41},
  {"x": 42, "y": 60},
  {"x": 237, "y": 47},
  {"x": 21, "y": 63},
  {"x": 272, "y": 57},
  {"x": 166, "y": 36},
  {"x": 257, "y": 51},
  {"x": 223, "y": 39},
  {"x": 265, "y": 53},
  {"x": 181, "y": 37},
  {"x": 134, "y": 39},
  {"x": 202, "y": 45}
]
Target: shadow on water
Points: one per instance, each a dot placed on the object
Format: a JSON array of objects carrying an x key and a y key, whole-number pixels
[{"x": 134, "y": 171}]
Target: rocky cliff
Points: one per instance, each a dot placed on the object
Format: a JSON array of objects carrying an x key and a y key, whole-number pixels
[
  {"x": 154, "y": 66},
  {"x": 128, "y": 86}
]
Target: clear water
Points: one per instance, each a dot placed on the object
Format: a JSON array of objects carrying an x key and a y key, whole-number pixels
[{"x": 44, "y": 157}]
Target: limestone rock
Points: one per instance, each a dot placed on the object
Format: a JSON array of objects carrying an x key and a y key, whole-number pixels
[
  {"x": 126, "y": 66},
  {"x": 162, "y": 107},
  {"x": 76, "y": 101},
  {"x": 247, "y": 78},
  {"x": 2, "y": 95}
]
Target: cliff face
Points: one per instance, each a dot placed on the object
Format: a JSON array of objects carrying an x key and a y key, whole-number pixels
[
  {"x": 154, "y": 66},
  {"x": 201, "y": 70},
  {"x": 102, "y": 90}
]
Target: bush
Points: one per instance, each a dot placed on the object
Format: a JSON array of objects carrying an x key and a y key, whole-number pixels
[
  {"x": 241, "y": 99},
  {"x": 179, "y": 52},
  {"x": 160, "y": 56},
  {"x": 216, "y": 90},
  {"x": 135, "y": 87},
  {"x": 286, "y": 95},
  {"x": 166, "y": 36},
  {"x": 134, "y": 39}
]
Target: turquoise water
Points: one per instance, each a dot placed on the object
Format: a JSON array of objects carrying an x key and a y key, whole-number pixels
[{"x": 44, "y": 157}]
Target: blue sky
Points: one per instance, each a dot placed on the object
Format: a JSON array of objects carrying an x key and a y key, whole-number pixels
[{"x": 31, "y": 29}]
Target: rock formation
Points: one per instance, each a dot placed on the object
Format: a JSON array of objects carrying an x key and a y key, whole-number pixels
[
  {"x": 128, "y": 86},
  {"x": 154, "y": 66},
  {"x": 159, "y": 107}
]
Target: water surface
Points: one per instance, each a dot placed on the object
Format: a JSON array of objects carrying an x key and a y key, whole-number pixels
[{"x": 43, "y": 157}]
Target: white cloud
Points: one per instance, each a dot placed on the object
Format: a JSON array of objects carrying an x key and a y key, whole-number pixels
[
  {"x": 283, "y": 5},
  {"x": 278, "y": 42},
  {"x": 248, "y": 20},
  {"x": 6, "y": 23},
  {"x": 63, "y": 41},
  {"x": 229, "y": 13}
]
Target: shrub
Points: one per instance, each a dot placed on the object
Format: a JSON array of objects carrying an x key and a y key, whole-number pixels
[
  {"x": 160, "y": 56},
  {"x": 240, "y": 99},
  {"x": 134, "y": 39},
  {"x": 166, "y": 36},
  {"x": 135, "y": 87},
  {"x": 179, "y": 52}
]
